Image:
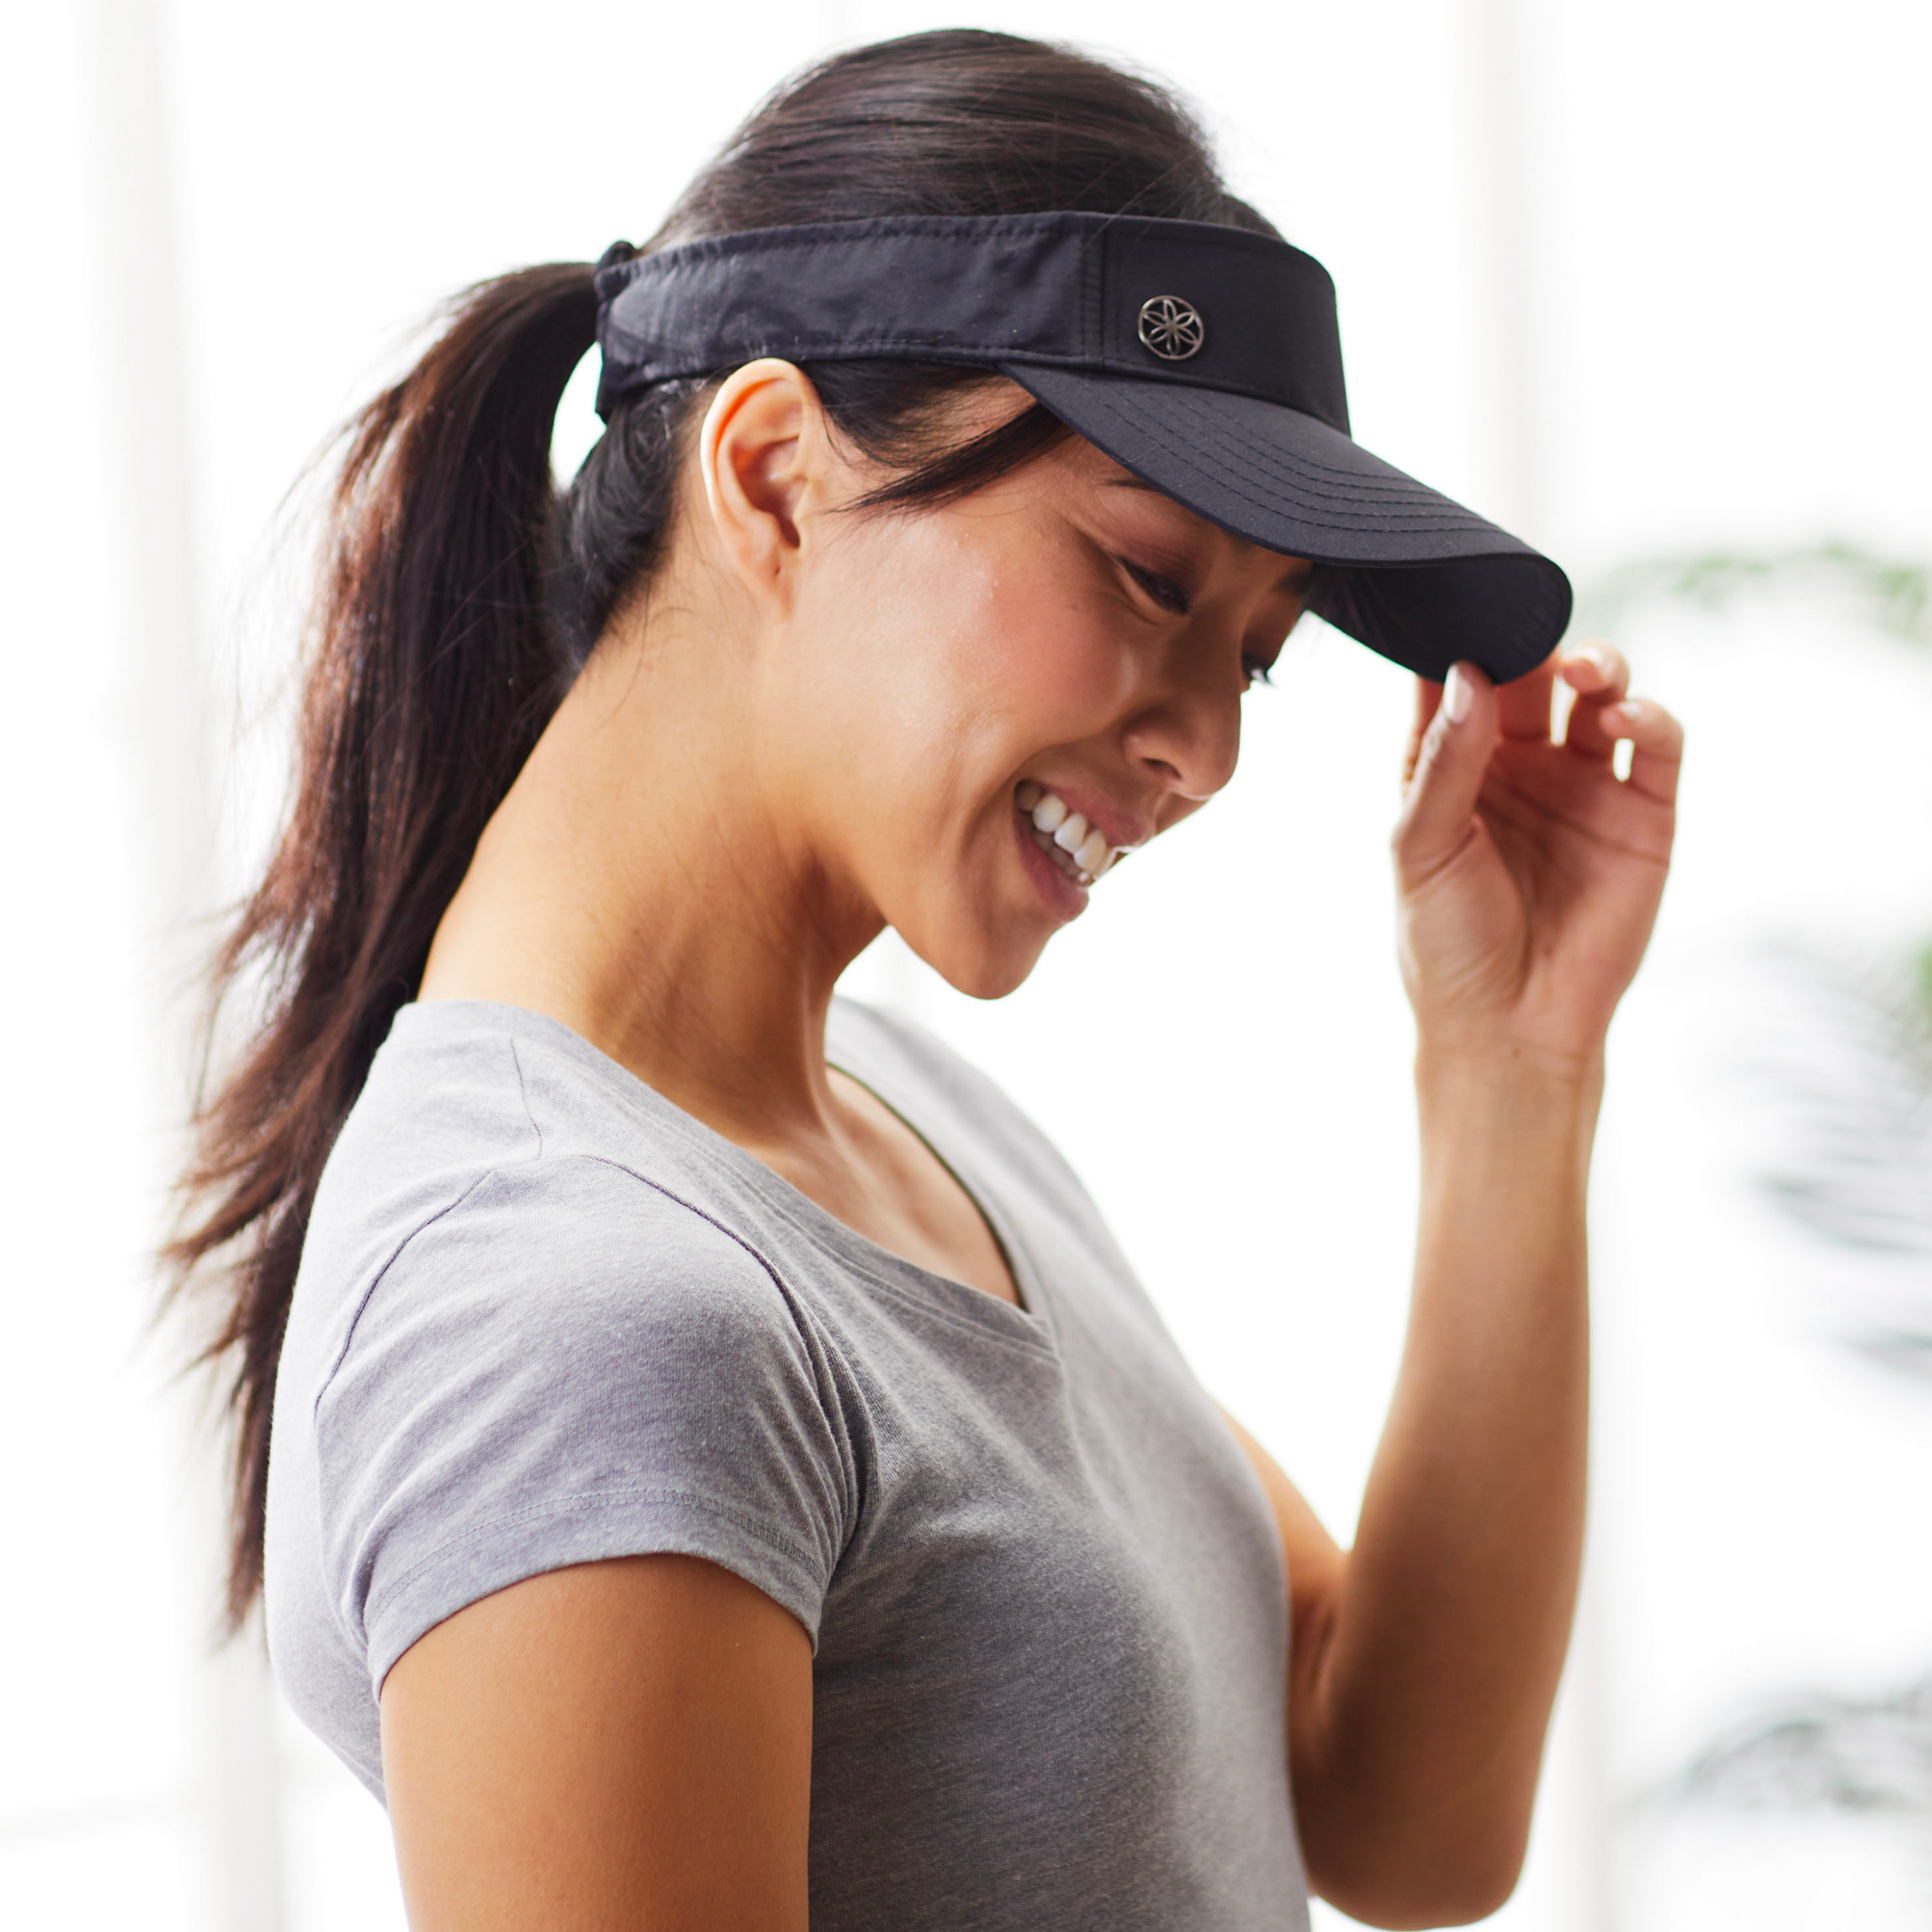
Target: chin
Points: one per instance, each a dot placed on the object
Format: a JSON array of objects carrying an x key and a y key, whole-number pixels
[{"x": 972, "y": 967}]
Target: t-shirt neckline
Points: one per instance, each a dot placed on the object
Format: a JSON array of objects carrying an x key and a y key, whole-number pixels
[{"x": 1034, "y": 1319}]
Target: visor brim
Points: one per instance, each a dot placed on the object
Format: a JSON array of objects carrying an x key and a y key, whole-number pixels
[{"x": 1402, "y": 568}]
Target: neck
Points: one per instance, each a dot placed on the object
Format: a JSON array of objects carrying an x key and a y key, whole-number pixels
[{"x": 638, "y": 885}]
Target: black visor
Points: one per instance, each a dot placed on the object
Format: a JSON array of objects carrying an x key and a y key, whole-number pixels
[{"x": 1204, "y": 359}]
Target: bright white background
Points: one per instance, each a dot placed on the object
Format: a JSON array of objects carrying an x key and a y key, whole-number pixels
[{"x": 1639, "y": 277}]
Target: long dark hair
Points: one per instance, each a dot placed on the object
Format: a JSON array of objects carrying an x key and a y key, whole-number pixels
[{"x": 460, "y": 593}]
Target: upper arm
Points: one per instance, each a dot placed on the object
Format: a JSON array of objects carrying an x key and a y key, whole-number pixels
[
  {"x": 1351, "y": 1756},
  {"x": 584, "y": 1476},
  {"x": 625, "y": 1743}
]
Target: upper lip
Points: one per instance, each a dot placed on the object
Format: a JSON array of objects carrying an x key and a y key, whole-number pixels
[{"x": 1121, "y": 825}]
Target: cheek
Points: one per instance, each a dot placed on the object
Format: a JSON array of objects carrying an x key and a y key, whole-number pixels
[
  {"x": 996, "y": 636},
  {"x": 1062, "y": 669},
  {"x": 936, "y": 663}
]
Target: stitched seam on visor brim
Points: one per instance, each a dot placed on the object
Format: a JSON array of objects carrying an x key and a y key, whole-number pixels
[{"x": 1312, "y": 514}]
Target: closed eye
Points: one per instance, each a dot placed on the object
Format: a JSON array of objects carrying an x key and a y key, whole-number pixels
[
  {"x": 1163, "y": 590},
  {"x": 1170, "y": 596}
]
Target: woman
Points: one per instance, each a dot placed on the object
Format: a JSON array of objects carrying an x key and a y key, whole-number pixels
[{"x": 722, "y": 1471}]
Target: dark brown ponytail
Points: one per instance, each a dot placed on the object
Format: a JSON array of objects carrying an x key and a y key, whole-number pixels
[
  {"x": 460, "y": 594},
  {"x": 434, "y": 668}
]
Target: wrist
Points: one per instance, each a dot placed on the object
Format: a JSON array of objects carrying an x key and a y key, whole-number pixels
[
  {"x": 1485, "y": 1059},
  {"x": 1534, "y": 1105}
]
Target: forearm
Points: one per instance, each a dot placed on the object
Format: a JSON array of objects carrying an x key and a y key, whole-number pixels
[{"x": 1423, "y": 1709}]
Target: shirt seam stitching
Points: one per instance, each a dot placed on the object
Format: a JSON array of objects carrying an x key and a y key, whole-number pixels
[
  {"x": 786, "y": 1293},
  {"x": 380, "y": 1276},
  {"x": 523, "y": 1094}
]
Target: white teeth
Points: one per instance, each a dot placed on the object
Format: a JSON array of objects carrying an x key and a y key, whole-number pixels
[{"x": 1079, "y": 849}]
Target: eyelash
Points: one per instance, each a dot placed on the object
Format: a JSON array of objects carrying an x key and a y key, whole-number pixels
[
  {"x": 1169, "y": 595},
  {"x": 1165, "y": 592}
]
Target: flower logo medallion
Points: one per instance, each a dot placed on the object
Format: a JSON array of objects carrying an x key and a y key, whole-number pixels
[{"x": 1171, "y": 329}]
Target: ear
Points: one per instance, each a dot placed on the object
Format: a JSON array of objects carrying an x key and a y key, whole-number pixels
[{"x": 765, "y": 459}]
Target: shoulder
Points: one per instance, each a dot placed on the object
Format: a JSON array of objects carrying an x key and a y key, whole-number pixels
[
  {"x": 572, "y": 1250},
  {"x": 564, "y": 1364},
  {"x": 495, "y": 1169},
  {"x": 510, "y": 1284},
  {"x": 571, "y": 1294}
]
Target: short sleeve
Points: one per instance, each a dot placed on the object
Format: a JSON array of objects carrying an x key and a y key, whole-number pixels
[{"x": 569, "y": 1364}]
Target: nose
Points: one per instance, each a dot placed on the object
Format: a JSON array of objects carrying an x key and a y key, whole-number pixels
[{"x": 1188, "y": 738}]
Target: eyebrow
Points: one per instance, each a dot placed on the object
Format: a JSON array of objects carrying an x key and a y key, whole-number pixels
[{"x": 1291, "y": 581}]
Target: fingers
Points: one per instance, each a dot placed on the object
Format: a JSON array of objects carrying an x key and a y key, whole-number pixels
[
  {"x": 1456, "y": 724},
  {"x": 1657, "y": 745},
  {"x": 1453, "y": 754},
  {"x": 1605, "y": 713},
  {"x": 1600, "y": 675},
  {"x": 1524, "y": 703},
  {"x": 1428, "y": 698}
]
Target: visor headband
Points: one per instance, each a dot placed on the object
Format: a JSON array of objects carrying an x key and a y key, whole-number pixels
[{"x": 1184, "y": 302}]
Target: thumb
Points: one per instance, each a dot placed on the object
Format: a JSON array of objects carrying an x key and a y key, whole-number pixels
[{"x": 1440, "y": 803}]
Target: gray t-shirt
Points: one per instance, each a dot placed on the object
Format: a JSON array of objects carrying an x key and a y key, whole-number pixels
[{"x": 545, "y": 1317}]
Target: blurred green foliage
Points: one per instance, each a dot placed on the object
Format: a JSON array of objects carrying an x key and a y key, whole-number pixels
[
  {"x": 1863, "y": 1111},
  {"x": 1889, "y": 594},
  {"x": 1867, "y": 1754}
]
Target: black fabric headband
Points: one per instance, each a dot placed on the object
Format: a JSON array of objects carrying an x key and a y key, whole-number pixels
[{"x": 1205, "y": 359}]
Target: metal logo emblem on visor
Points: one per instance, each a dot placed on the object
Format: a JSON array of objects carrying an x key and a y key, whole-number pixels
[{"x": 1170, "y": 328}]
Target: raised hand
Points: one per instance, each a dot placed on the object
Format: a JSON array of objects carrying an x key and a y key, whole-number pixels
[{"x": 1529, "y": 875}]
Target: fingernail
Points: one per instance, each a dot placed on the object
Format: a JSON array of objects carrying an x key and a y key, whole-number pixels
[
  {"x": 1594, "y": 655},
  {"x": 1457, "y": 695}
]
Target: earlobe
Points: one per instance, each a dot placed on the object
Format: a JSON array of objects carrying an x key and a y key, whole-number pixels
[{"x": 759, "y": 453}]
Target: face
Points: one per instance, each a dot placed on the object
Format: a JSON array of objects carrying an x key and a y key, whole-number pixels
[{"x": 979, "y": 707}]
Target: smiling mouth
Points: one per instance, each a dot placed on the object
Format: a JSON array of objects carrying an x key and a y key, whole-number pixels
[{"x": 1079, "y": 850}]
